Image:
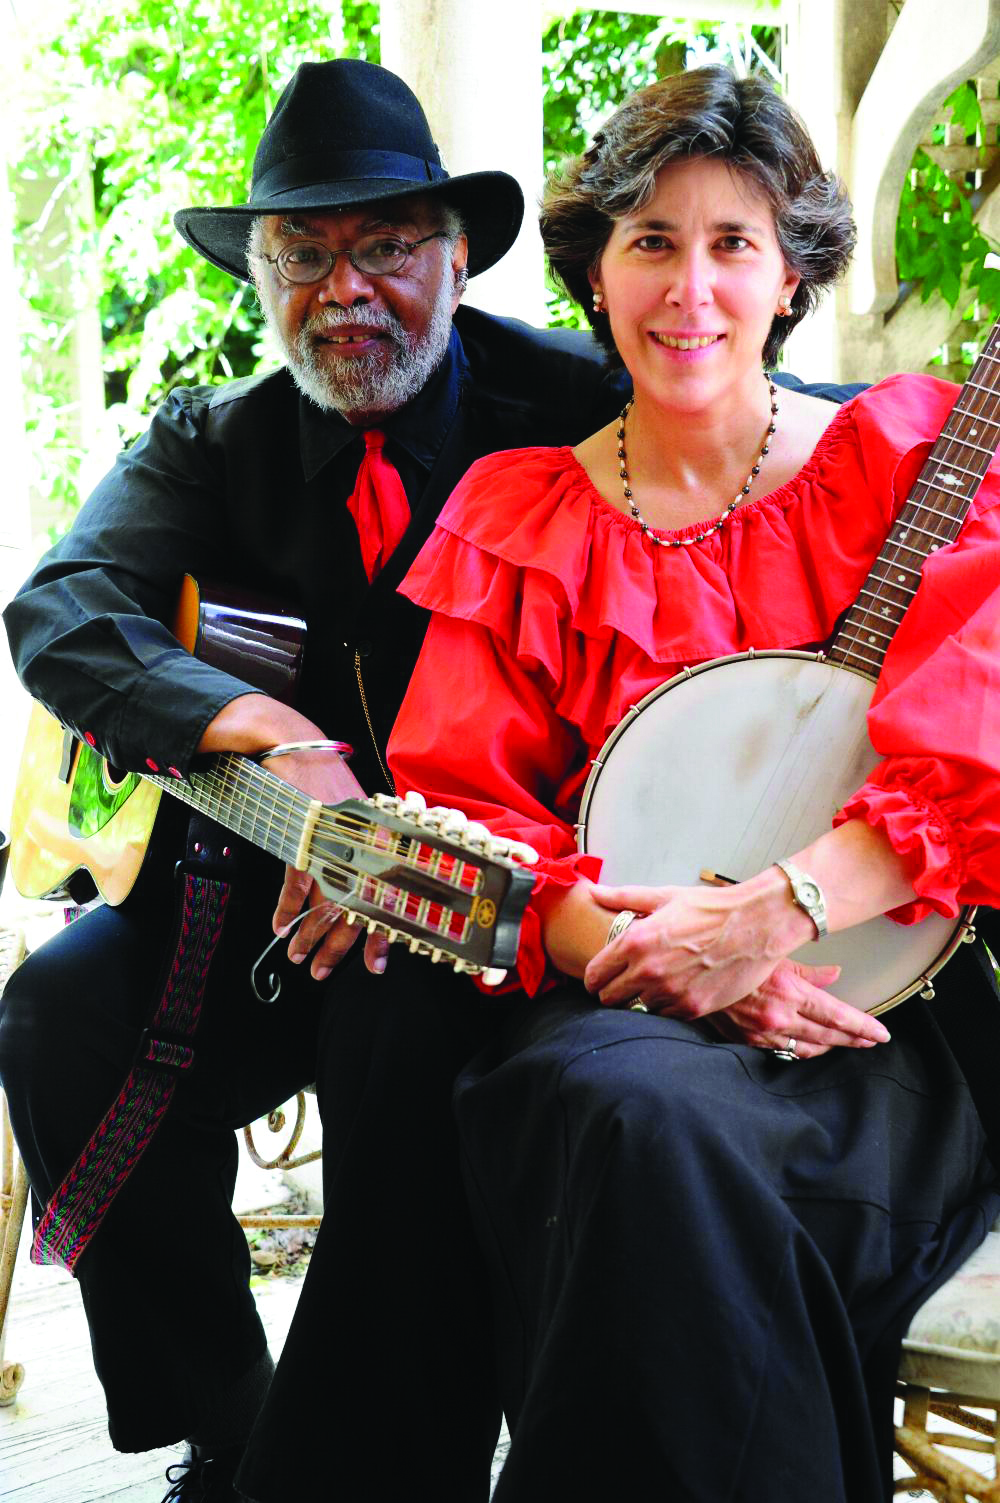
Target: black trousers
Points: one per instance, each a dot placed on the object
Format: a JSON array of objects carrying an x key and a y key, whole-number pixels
[
  {"x": 704, "y": 1259},
  {"x": 387, "y": 1371}
]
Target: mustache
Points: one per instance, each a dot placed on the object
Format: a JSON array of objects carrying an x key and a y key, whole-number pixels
[{"x": 332, "y": 319}]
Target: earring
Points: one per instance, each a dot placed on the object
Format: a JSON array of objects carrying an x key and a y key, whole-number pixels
[
  {"x": 598, "y": 302},
  {"x": 784, "y": 307}
]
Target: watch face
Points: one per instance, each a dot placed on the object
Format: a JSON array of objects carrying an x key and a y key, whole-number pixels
[{"x": 809, "y": 892}]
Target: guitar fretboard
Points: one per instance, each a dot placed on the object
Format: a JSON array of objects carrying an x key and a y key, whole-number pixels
[
  {"x": 248, "y": 800},
  {"x": 930, "y": 518}
]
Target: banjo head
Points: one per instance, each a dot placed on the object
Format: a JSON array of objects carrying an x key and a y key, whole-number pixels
[{"x": 729, "y": 767}]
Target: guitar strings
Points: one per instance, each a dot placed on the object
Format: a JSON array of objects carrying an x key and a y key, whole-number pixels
[
  {"x": 883, "y": 605},
  {"x": 228, "y": 784}
]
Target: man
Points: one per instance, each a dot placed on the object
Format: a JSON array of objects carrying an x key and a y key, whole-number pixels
[
  {"x": 360, "y": 245},
  {"x": 315, "y": 485}
]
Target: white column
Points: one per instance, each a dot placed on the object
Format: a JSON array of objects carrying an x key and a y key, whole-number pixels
[
  {"x": 477, "y": 71},
  {"x": 833, "y": 46},
  {"x": 15, "y": 526}
]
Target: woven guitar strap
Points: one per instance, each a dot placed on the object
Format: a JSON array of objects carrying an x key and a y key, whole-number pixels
[{"x": 165, "y": 1055}]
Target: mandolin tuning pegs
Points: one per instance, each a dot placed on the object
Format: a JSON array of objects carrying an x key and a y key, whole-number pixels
[
  {"x": 476, "y": 835},
  {"x": 350, "y": 917},
  {"x": 492, "y": 976},
  {"x": 414, "y": 803}
]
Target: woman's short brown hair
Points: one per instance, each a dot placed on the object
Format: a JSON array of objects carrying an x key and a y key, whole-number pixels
[{"x": 707, "y": 112}]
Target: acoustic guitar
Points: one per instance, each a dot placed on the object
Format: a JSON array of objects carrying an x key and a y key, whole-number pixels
[{"x": 424, "y": 877}]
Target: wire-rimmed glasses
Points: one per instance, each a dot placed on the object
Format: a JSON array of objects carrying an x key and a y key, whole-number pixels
[{"x": 308, "y": 261}]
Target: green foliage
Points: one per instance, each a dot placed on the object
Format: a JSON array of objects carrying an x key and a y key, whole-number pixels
[
  {"x": 592, "y": 61},
  {"x": 128, "y": 113},
  {"x": 938, "y": 245}
]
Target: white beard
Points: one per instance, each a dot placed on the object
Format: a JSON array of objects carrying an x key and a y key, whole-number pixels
[{"x": 379, "y": 382}]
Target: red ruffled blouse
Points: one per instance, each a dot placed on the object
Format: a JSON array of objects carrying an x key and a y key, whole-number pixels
[{"x": 552, "y": 614}]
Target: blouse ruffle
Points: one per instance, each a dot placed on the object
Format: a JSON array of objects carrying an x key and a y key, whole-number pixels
[{"x": 556, "y": 614}]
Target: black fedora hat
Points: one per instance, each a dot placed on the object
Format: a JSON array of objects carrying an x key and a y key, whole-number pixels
[{"x": 347, "y": 132}]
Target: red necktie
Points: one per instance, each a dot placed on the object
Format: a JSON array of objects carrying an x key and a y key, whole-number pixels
[{"x": 378, "y": 505}]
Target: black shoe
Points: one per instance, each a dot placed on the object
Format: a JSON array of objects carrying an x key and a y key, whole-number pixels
[{"x": 205, "y": 1476}]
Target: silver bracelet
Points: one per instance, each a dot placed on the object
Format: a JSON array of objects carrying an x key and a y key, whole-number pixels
[
  {"x": 619, "y": 924},
  {"x": 286, "y": 747}
]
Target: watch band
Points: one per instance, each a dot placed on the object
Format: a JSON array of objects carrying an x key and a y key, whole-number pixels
[{"x": 807, "y": 894}]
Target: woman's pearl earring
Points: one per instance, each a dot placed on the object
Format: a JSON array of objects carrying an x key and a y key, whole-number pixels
[
  {"x": 784, "y": 307},
  {"x": 598, "y": 302}
]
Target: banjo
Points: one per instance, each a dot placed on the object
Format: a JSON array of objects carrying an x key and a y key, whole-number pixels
[{"x": 671, "y": 800}]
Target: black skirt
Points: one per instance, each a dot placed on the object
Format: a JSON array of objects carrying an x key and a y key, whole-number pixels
[{"x": 704, "y": 1259}]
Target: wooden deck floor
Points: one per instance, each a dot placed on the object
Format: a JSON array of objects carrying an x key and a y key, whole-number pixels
[{"x": 54, "y": 1445}]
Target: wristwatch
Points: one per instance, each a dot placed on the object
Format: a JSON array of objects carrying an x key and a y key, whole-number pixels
[{"x": 807, "y": 894}]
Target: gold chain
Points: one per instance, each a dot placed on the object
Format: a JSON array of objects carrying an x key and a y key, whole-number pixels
[{"x": 371, "y": 729}]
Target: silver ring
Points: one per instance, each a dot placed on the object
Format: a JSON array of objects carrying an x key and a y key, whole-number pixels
[
  {"x": 788, "y": 1054},
  {"x": 635, "y": 1004}
]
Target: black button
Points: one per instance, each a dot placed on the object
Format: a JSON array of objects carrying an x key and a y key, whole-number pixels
[{"x": 364, "y": 649}]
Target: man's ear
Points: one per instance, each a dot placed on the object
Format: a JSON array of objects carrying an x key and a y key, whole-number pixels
[{"x": 459, "y": 268}]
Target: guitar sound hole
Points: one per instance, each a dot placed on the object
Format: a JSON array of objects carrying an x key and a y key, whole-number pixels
[{"x": 114, "y": 777}]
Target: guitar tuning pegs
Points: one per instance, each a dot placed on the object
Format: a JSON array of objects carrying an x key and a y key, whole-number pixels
[
  {"x": 476, "y": 835},
  {"x": 387, "y": 801},
  {"x": 492, "y": 976},
  {"x": 454, "y": 822},
  {"x": 350, "y": 917},
  {"x": 413, "y": 802},
  {"x": 516, "y": 850}
]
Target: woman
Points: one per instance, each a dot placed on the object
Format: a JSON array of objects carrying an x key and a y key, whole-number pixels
[{"x": 703, "y": 1258}]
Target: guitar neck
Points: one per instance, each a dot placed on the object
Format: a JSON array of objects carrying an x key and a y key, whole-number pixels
[
  {"x": 247, "y": 799},
  {"x": 930, "y": 518}
]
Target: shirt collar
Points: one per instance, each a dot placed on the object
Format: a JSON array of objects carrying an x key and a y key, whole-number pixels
[{"x": 419, "y": 427}]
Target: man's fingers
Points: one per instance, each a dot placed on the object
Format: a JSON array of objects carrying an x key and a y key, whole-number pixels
[
  {"x": 376, "y": 953},
  {"x": 295, "y": 888}
]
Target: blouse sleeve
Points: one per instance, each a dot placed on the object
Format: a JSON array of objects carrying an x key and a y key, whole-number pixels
[
  {"x": 504, "y": 760},
  {"x": 935, "y": 718}
]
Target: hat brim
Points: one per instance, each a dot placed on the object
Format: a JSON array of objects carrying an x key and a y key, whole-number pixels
[{"x": 491, "y": 205}]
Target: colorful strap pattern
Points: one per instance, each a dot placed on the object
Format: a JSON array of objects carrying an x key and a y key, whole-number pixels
[{"x": 78, "y": 1207}]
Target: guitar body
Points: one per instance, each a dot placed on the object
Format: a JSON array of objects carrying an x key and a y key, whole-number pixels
[
  {"x": 75, "y": 814},
  {"x": 731, "y": 766}
]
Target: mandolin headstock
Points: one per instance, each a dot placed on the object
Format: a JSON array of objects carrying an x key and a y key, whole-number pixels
[{"x": 428, "y": 878}]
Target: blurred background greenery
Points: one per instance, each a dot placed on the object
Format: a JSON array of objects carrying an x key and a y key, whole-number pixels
[{"x": 130, "y": 112}]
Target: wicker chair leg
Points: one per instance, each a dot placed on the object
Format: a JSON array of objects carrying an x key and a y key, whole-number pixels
[{"x": 11, "y": 1373}]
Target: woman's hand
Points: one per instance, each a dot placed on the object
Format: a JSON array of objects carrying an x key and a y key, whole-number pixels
[
  {"x": 791, "y": 1004},
  {"x": 721, "y": 953},
  {"x": 693, "y": 951}
]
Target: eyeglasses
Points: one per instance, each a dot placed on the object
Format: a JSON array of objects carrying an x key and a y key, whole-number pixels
[{"x": 375, "y": 256}]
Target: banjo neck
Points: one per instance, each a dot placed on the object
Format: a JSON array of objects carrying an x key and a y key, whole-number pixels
[{"x": 929, "y": 519}]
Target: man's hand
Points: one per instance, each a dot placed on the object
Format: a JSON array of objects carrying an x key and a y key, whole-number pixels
[
  {"x": 253, "y": 723},
  {"x": 326, "y": 776}
]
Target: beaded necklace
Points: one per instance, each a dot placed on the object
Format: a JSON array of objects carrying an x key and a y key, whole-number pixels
[{"x": 744, "y": 491}]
